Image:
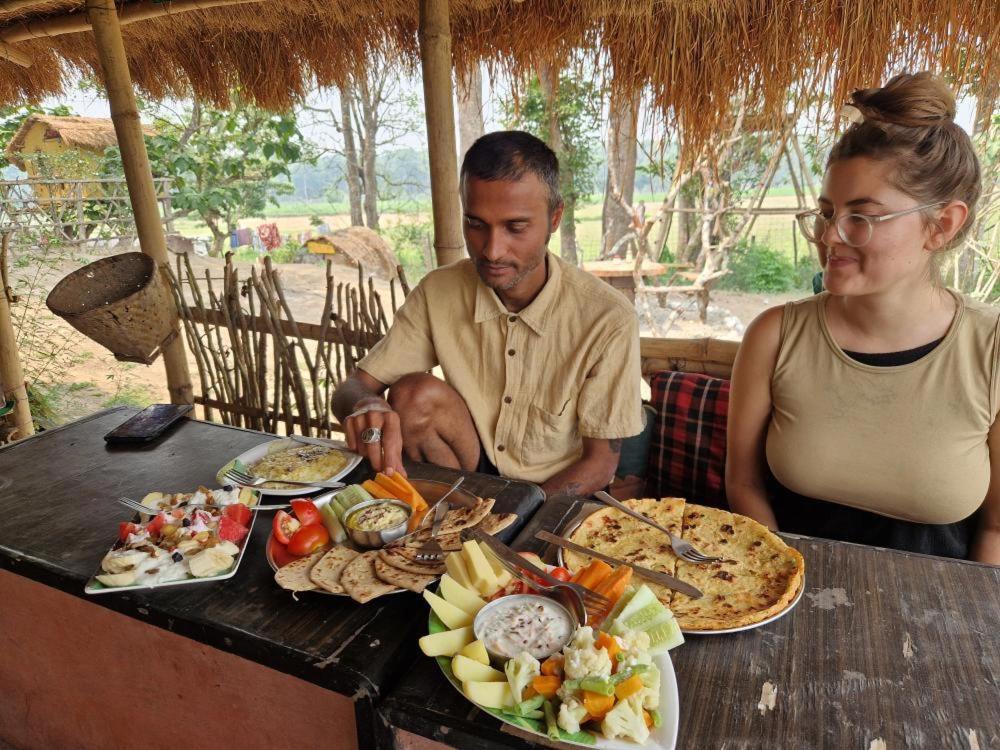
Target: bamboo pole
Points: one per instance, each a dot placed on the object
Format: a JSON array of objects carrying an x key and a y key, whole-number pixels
[
  {"x": 435, "y": 63},
  {"x": 138, "y": 177},
  {"x": 11, "y": 375}
]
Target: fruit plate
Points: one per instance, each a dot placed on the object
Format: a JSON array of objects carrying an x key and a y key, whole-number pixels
[
  {"x": 663, "y": 737},
  {"x": 429, "y": 489},
  {"x": 94, "y": 586},
  {"x": 245, "y": 461}
]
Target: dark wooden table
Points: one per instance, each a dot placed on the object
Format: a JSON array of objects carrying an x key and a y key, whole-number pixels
[
  {"x": 59, "y": 517},
  {"x": 884, "y": 647}
]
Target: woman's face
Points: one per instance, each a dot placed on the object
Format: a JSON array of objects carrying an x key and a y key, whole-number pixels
[{"x": 895, "y": 255}]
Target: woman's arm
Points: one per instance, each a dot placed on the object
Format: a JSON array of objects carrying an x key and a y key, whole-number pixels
[
  {"x": 749, "y": 415},
  {"x": 986, "y": 543}
]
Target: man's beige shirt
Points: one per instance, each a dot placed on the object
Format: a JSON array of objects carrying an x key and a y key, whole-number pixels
[{"x": 536, "y": 382}]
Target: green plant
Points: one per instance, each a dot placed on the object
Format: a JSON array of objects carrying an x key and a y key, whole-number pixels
[
  {"x": 291, "y": 252},
  {"x": 757, "y": 268},
  {"x": 130, "y": 395},
  {"x": 409, "y": 241}
]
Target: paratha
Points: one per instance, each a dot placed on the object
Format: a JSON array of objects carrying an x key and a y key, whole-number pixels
[
  {"x": 359, "y": 579},
  {"x": 459, "y": 518},
  {"x": 393, "y": 575},
  {"x": 326, "y": 572},
  {"x": 397, "y": 559},
  {"x": 758, "y": 576},
  {"x": 295, "y": 575},
  {"x": 612, "y": 532}
]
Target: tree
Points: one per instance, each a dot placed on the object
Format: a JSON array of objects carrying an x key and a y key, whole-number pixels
[
  {"x": 564, "y": 112},
  {"x": 223, "y": 165},
  {"x": 375, "y": 111},
  {"x": 469, "y": 95},
  {"x": 621, "y": 146}
]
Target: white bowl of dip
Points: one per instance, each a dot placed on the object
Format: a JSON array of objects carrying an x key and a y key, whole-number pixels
[{"x": 524, "y": 622}]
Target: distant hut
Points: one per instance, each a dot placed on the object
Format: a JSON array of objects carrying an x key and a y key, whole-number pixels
[{"x": 54, "y": 147}]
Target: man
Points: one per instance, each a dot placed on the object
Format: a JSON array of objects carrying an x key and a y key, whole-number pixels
[{"x": 540, "y": 360}]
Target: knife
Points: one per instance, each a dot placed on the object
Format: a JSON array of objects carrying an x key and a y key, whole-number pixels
[
  {"x": 652, "y": 575},
  {"x": 313, "y": 441}
]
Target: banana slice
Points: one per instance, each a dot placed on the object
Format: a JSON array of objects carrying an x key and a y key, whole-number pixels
[
  {"x": 118, "y": 579},
  {"x": 188, "y": 545},
  {"x": 121, "y": 561},
  {"x": 247, "y": 496},
  {"x": 153, "y": 500},
  {"x": 228, "y": 547},
  {"x": 210, "y": 562}
]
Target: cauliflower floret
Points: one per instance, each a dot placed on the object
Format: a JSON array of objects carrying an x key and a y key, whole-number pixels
[
  {"x": 625, "y": 720},
  {"x": 586, "y": 662},
  {"x": 635, "y": 648},
  {"x": 651, "y": 693},
  {"x": 570, "y": 713},
  {"x": 519, "y": 672}
]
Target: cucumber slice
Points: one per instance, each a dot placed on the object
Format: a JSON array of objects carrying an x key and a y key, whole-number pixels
[
  {"x": 646, "y": 613},
  {"x": 347, "y": 498},
  {"x": 328, "y": 513}
]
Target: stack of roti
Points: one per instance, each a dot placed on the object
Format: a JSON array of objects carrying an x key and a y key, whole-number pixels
[
  {"x": 370, "y": 574},
  {"x": 759, "y": 575}
]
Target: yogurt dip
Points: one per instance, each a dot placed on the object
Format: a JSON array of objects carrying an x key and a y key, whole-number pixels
[
  {"x": 525, "y": 622},
  {"x": 377, "y": 517}
]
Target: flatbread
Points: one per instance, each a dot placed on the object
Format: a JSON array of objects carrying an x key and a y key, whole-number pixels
[
  {"x": 758, "y": 577},
  {"x": 403, "y": 562},
  {"x": 403, "y": 579},
  {"x": 326, "y": 572},
  {"x": 612, "y": 532},
  {"x": 494, "y": 523},
  {"x": 460, "y": 518},
  {"x": 295, "y": 575},
  {"x": 360, "y": 582}
]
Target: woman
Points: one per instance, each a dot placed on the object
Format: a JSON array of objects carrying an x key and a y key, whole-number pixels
[{"x": 867, "y": 413}]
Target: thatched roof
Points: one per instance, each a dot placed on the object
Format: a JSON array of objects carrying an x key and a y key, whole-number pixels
[
  {"x": 89, "y": 133},
  {"x": 694, "y": 55}
]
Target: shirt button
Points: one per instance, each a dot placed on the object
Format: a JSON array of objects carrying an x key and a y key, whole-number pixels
[
  {"x": 510, "y": 352},
  {"x": 507, "y": 399},
  {"x": 500, "y": 448},
  {"x": 512, "y": 319}
]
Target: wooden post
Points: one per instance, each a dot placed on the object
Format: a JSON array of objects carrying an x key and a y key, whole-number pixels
[
  {"x": 11, "y": 376},
  {"x": 138, "y": 176},
  {"x": 435, "y": 59}
]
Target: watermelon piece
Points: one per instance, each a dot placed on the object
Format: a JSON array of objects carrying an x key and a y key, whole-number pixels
[{"x": 231, "y": 531}]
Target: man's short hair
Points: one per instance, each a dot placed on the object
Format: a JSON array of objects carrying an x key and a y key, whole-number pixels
[{"x": 509, "y": 155}]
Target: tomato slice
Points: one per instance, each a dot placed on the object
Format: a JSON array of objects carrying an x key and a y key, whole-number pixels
[
  {"x": 240, "y": 513},
  {"x": 306, "y": 511},
  {"x": 284, "y": 526},
  {"x": 308, "y": 539},
  {"x": 279, "y": 553},
  {"x": 561, "y": 573},
  {"x": 125, "y": 528}
]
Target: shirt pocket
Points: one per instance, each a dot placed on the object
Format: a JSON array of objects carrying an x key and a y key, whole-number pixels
[{"x": 550, "y": 436}]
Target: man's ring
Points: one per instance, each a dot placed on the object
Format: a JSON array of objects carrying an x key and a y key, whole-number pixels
[{"x": 371, "y": 435}]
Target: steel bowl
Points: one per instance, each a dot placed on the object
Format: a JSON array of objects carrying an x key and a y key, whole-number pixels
[
  {"x": 479, "y": 624},
  {"x": 380, "y": 538}
]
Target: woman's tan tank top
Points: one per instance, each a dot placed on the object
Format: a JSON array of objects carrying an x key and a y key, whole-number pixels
[{"x": 907, "y": 442}]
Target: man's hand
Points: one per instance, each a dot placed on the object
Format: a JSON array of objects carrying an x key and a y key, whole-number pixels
[{"x": 386, "y": 453}]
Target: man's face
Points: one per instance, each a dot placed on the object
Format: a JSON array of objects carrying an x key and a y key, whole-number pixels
[{"x": 507, "y": 227}]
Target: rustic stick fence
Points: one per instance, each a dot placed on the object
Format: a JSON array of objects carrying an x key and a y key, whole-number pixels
[{"x": 260, "y": 368}]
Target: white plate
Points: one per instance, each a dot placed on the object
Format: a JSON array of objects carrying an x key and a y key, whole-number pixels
[
  {"x": 429, "y": 489},
  {"x": 663, "y": 737},
  {"x": 753, "y": 625},
  {"x": 257, "y": 453},
  {"x": 96, "y": 587}
]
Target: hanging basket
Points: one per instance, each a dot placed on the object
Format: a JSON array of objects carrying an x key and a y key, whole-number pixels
[{"x": 120, "y": 302}]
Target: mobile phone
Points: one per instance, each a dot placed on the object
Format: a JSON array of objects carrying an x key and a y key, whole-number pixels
[{"x": 148, "y": 424}]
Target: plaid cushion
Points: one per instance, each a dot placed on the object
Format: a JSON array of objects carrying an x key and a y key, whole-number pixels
[{"x": 687, "y": 457}]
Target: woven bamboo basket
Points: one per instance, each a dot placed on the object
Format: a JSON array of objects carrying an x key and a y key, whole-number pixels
[{"x": 120, "y": 302}]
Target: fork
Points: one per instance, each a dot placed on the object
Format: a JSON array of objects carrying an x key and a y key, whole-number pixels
[
  {"x": 248, "y": 480},
  {"x": 591, "y": 600},
  {"x": 682, "y": 548},
  {"x": 140, "y": 508}
]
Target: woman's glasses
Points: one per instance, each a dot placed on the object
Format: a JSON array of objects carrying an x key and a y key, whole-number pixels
[{"x": 854, "y": 230}]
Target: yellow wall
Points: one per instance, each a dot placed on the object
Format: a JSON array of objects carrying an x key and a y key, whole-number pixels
[{"x": 36, "y": 142}]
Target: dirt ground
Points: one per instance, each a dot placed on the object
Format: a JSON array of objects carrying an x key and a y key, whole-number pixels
[{"x": 94, "y": 379}]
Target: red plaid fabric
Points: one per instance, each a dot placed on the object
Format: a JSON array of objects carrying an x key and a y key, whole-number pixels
[{"x": 687, "y": 456}]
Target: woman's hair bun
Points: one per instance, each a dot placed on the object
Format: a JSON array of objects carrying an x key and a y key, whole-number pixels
[{"x": 913, "y": 100}]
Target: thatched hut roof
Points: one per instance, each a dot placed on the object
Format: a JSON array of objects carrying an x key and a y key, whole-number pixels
[
  {"x": 88, "y": 133},
  {"x": 694, "y": 55}
]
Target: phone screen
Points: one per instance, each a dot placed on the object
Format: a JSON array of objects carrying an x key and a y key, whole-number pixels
[{"x": 148, "y": 424}]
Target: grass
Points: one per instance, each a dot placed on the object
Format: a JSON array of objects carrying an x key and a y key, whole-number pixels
[{"x": 130, "y": 395}]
